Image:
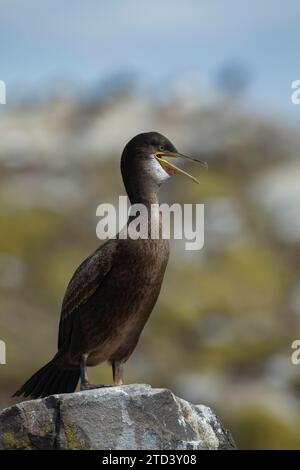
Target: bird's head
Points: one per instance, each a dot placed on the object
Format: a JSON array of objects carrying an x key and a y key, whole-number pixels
[{"x": 150, "y": 155}]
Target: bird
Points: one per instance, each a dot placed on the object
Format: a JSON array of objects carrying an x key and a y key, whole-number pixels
[{"x": 113, "y": 292}]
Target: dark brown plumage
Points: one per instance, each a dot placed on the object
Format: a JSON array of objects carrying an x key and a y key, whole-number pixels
[{"x": 113, "y": 291}]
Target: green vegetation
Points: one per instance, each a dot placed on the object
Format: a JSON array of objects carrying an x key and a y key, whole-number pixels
[
  {"x": 73, "y": 442},
  {"x": 11, "y": 442}
]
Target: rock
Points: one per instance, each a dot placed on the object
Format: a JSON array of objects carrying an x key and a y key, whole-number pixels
[{"x": 127, "y": 417}]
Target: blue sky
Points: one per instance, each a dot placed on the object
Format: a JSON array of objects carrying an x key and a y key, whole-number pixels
[{"x": 86, "y": 41}]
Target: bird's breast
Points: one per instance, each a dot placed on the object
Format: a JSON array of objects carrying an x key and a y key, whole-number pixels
[{"x": 131, "y": 291}]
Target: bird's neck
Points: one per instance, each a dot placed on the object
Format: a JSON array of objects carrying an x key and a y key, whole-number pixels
[
  {"x": 144, "y": 192},
  {"x": 146, "y": 218}
]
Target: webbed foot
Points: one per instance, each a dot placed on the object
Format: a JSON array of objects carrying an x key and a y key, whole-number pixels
[{"x": 88, "y": 386}]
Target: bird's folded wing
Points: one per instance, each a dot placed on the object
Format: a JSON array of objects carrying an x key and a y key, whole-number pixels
[{"x": 85, "y": 281}]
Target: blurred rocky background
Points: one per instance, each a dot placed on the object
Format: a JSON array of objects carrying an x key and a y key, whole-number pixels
[{"x": 222, "y": 330}]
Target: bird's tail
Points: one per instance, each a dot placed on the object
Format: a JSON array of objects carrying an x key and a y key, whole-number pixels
[{"x": 50, "y": 380}]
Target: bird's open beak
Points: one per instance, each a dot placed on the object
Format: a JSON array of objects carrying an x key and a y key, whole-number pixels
[{"x": 171, "y": 168}]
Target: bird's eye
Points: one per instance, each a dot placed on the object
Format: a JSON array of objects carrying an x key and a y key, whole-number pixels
[{"x": 162, "y": 148}]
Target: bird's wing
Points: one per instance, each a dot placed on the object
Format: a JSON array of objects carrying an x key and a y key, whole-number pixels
[{"x": 83, "y": 284}]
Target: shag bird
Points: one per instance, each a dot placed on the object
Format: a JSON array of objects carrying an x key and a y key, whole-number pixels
[{"x": 112, "y": 293}]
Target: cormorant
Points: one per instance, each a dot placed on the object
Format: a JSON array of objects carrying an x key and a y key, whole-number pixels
[{"x": 112, "y": 293}]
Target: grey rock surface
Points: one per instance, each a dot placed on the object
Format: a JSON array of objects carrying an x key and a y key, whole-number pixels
[{"x": 127, "y": 417}]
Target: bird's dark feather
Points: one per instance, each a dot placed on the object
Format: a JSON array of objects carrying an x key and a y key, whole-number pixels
[{"x": 83, "y": 284}]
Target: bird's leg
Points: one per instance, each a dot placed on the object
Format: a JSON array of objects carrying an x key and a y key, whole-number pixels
[
  {"x": 84, "y": 381},
  {"x": 117, "y": 372}
]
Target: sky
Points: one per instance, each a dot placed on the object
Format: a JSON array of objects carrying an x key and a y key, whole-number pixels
[{"x": 86, "y": 41}]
